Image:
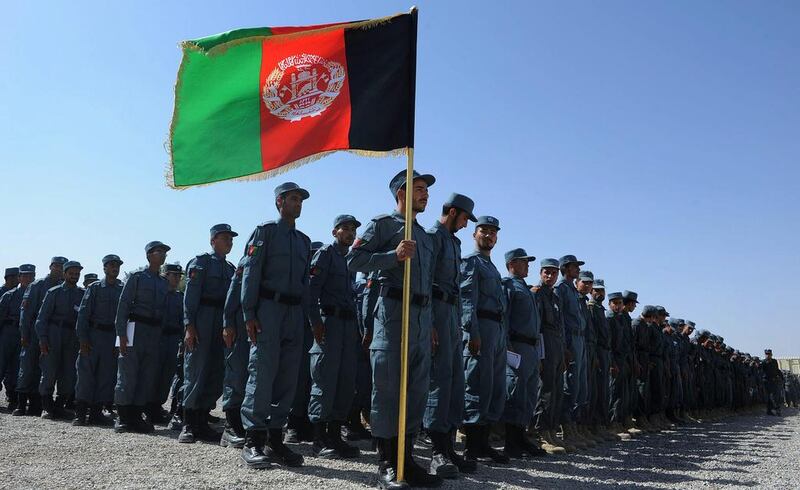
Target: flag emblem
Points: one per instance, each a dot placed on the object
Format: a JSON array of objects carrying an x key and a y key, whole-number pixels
[{"x": 302, "y": 85}]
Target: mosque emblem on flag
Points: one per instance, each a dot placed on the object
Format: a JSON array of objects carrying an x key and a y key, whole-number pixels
[{"x": 302, "y": 85}]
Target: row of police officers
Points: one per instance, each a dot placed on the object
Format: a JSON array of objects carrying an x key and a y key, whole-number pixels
[{"x": 290, "y": 335}]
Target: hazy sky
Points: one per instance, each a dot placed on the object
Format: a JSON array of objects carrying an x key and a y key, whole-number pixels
[{"x": 657, "y": 141}]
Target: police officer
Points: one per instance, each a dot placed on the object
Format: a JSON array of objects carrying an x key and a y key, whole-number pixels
[
  {"x": 10, "y": 302},
  {"x": 138, "y": 324},
  {"x": 237, "y": 353},
  {"x": 575, "y": 393},
  {"x": 171, "y": 334},
  {"x": 445, "y": 410},
  {"x": 620, "y": 367},
  {"x": 275, "y": 308},
  {"x": 10, "y": 280},
  {"x": 208, "y": 280},
  {"x": 583, "y": 416},
  {"x": 89, "y": 278},
  {"x": 630, "y": 299},
  {"x": 484, "y": 319},
  {"x": 55, "y": 327},
  {"x": 30, "y": 402},
  {"x": 382, "y": 249},
  {"x": 334, "y": 355},
  {"x": 97, "y": 371},
  {"x": 366, "y": 297},
  {"x": 643, "y": 334},
  {"x": 774, "y": 383},
  {"x": 601, "y": 375},
  {"x": 551, "y": 394},
  {"x": 524, "y": 339}
]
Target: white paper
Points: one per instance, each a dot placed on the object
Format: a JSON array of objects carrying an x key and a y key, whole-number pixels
[
  {"x": 129, "y": 332},
  {"x": 513, "y": 359}
]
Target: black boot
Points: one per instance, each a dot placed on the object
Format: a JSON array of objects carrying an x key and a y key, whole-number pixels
[
  {"x": 62, "y": 412},
  {"x": 472, "y": 453},
  {"x": 176, "y": 422},
  {"x": 497, "y": 457},
  {"x": 48, "y": 408},
  {"x": 22, "y": 405},
  {"x": 156, "y": 414},
  {"x": 187, "y": 435},
  {"x": 343, "y": 450},
  {"x": 233, "y": 436},
  {"x": 81, "y": 411},
  {"x": 12, "y": 400},
  {"x": 387, "y": 465},
  {"x": 441, "y": 464},
  {"x": 34, "y": 405},
  {"x": 322, "y": 447},
  {"x": 415, "y": 475},
  {"x": 123, "y": 422},
  {"x": 277, "y": 452},
  {"x": 513, "y": 447},
  {"x": 461, "y": 463},
  {"x": 96, "y": 416},
  {"x": 138, "y": 423},
  {"x": 253, "y": 450},
  {"x": 532, "y": 449},
  {"x": 202, "y": 430}
]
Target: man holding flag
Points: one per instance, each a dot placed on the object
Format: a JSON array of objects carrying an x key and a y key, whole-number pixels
[{"x": 381, "y": 248}]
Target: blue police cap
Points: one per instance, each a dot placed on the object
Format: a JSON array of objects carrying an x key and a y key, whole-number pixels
[
  {"x": 316, "y": 246},
  {"x": 674, "y": 322},
  {"x": 690, "y": 323},
  {"x": 721, "y": 338},
  {"x": 518, "y": 253},
  {"x": 71, "y": 264},
  {"x": 614, "y": 295},
  {"x": 586, "y": 276},
  {"x": 488, "y": 221},
  {"x": 173, "y": 269},
  {"x": 345, "y": 218},
  {"x": 649, "y": 310},
  {"x": 112, "y": 258},
  {"x": 291, "y": 186},
  {"x": 399, "y": 180},
  {"x": 569, "y": 259},
  {"x": 767, "y": 351},
  {"x": 680, "y": 321},
  {"x": 599, "y": 284},
  {"x": 544, "y": 263},
  {"x": 661, "y": 310},
  {"x": 222, "y": 228},
  {"x": 462, "y": 202},
  {"x": 58, "y": 260},
  {"x": 90, "y": 277},
  {"x": 12, "y": 271},
  {"x": 27, "y": 269},
  {"x": 630, "y": 296},
  {"x": 156, "y": 244}
]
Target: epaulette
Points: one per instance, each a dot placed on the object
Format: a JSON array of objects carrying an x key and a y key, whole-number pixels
[
  {"x": 270, "y": 222},
  {"x": 381, "y": 217}
]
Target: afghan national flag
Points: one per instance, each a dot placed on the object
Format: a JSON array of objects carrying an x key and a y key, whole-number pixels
[{"x": 252, "y": 103}]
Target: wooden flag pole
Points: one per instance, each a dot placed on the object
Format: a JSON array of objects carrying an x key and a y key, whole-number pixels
[{"x": 401, "y": 413}]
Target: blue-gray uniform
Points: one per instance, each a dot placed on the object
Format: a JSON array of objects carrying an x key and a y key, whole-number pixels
[
  {"x": 10, "y": 303},
  {"x": 333, "y": 364},
  {"x": 484, "y": 308},
  {"x": 171, "y": 335},
  {"x": 237, "y": 356},
  {"x": 524, "y": 330},
  {"x": 209, "y": 278},
  {"x": 375, "y": 251},
  {"x": 97, "y": 372},
  {"x": 366, "y": 299},
  {"x": 29, "y": 372},
  {"x": 274, "y": 293},
  {"x": 143, "y": 301},
  {"x": 445, "y": 410},
  {"x": 55, "y": 326},
  {"x": 575, "y": 390},
  {"x": 599, "y": 410}
]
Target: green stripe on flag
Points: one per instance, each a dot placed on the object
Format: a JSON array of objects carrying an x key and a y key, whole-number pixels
[{"x": 216, "y": 124}]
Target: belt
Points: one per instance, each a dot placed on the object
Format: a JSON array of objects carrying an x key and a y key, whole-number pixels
[
  {"x": 490, "y": 315},
  {"x": 286, "y": 299},
  {"x": 215, "y": 303},
  {"x": 397, "y": 293},
  {"x": 144, "y": 319},
  {"x": 451, "y": 299},
  {"x": 518, "y": 337},
  {"x": 103, "y": 327},
  {"x": 340, "y": 313},
  {"x": 172, "y": 331}
]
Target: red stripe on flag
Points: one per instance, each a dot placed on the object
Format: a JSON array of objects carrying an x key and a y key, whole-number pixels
[
  {"x": 277, "y": 31},
  {"x": 305, "y": 97}
]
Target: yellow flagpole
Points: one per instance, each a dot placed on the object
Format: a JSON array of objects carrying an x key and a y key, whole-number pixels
[{"x": 401, "y": 418}]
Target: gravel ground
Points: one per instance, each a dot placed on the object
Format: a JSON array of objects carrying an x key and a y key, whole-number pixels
[{"x": 745, "y": 451}]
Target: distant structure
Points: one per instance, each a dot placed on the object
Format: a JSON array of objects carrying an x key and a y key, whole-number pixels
[{"x": 790, "y": 364}]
